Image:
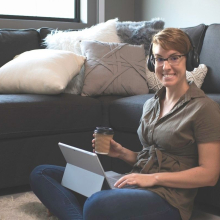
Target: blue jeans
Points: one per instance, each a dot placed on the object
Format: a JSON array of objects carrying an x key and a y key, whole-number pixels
[{"x": 116, "y": 204}]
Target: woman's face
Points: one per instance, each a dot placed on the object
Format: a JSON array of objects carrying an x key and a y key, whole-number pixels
[{"x": 170, "y": 75}]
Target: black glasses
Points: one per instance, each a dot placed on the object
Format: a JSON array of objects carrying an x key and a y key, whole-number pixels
[{"x": 172, "y": 60}]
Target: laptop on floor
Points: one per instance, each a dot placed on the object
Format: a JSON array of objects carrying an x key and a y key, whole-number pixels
[{"x": 84, "y": 173}]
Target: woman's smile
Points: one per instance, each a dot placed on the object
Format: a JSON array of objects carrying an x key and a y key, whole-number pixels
[{"x": 168, "y": 76}]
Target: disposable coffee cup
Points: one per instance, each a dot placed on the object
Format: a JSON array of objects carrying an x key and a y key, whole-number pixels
[{"x": 103, "y": 136}]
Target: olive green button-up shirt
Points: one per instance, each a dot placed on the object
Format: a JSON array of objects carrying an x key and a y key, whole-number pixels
[{"x": 170, "y": 143}]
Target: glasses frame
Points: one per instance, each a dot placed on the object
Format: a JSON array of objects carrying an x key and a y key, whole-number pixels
[{"x": 167, "y": 59}]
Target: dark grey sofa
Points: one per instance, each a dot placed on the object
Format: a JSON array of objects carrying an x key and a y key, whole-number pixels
[{"x": 32, "y": 125}]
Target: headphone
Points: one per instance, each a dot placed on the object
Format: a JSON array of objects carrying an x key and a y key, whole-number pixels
[{"x": 192, "y": 58}]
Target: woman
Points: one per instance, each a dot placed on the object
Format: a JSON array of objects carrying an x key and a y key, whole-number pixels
[{"x": 180, "y": 134}]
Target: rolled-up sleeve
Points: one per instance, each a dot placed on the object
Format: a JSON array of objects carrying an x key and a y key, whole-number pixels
[{"x": 207, "y": 123}]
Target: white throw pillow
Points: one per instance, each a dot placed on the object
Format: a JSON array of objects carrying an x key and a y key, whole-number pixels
[
  {"x": 70, "y": 41},
  {"x": 41, "y": 71},
  {"x": 197, "y": 76}
]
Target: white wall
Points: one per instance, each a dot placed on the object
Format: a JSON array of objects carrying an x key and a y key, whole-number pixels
[
  {"x": 122, "y": 9},
  {"x": 179, "y": 13}
]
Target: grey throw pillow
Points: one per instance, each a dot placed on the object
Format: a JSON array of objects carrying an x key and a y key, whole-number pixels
[
  {"x": 138, "y": 33},
  {"x": 114, "y": 69}
]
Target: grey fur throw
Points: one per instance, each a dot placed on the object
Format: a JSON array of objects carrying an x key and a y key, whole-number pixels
[{"x": 138, "y": 33}]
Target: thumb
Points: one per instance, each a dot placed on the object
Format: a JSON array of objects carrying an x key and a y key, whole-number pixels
[{"x": 113, "y": 143}]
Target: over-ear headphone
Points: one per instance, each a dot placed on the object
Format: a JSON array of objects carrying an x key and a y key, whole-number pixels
[{"x": 192, "y": 58}]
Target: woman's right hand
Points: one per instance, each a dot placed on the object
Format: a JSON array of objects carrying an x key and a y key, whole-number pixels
[{"x": 115, "y": 148}]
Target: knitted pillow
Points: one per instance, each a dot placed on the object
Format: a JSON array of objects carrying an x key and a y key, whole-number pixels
[{"x": 113, "y": 69}]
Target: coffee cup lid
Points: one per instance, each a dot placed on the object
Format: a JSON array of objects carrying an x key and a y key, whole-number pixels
[{"x": 104, "y": 130}]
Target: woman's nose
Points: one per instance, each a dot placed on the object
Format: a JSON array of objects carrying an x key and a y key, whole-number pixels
[{"x": 166, "y": 65}]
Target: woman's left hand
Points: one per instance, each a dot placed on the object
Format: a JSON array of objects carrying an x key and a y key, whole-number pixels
[{"x": 141, "y": 180}]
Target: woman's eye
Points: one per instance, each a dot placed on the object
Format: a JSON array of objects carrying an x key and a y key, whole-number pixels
[
  {"x": 174, "y": 58},
  {"x": 158, "y": 59}
]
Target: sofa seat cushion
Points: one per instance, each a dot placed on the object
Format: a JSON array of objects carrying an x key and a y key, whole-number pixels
[
  {"x": 125, "y": 113},
  {"x": 34, "y": 115},
  {"x": 14, "y": 42}
]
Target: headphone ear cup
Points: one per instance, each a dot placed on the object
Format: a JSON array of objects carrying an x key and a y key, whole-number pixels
[
  {"x": 195, "y": 59},
  {"x": 150, "y": 64},
  {"x": 192, "y": 60},
  {"x": 189, "y": 63}
]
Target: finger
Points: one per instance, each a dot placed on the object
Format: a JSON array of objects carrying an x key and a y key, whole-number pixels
[
  {"x": 120, "y": 181},
  {"x": 124, "y": 183},
  {"x": 93, "y": 143}
]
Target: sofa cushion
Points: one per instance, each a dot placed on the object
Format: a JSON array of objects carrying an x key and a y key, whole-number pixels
[
  {"x": 14, "y": 42},
  {"x": 114, "y": 69},
  {"x": 106, "y": 102},
  {"x": 125, "y": 113},
  {"x": 41, "y": 71},
  {"x": 210, "y": 56},
  {"x": 44, "y": 31},
  {"x": 34, "y": 115},
  {"x": 196, "y": 34},
  {"x": 70, "y": 40},
  {"x": 140, "y": 32}
]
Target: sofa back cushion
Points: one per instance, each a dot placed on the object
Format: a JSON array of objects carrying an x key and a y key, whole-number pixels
[
  {"x": 44, "y": 31},
  {"x": 210, "y": 56},
  {"x": 196, "y": 35},
  {"x": 14, "y": 42}
]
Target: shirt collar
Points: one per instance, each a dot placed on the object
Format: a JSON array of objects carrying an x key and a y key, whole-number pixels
[{"x": 192, "y": 92}]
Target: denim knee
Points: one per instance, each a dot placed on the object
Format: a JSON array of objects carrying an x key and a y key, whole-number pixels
[
  {"x": 97, "y": 207},
  {"x": 36, "y": 173}
]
